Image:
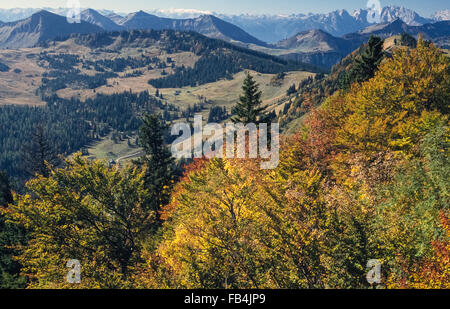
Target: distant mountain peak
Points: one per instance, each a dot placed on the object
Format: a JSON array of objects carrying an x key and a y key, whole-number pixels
[
  {"x": 206, "y": 24},
  {"x": 315, "y": 40},
  {"x": 441, "y": 15},
  {"x": 94, "y": 17},
  {"x": 41, "y": 26},
  {"x": 140, "y": 13}
]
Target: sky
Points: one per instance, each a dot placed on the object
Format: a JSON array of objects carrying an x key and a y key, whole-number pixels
[{"x": 424, "y": 8}]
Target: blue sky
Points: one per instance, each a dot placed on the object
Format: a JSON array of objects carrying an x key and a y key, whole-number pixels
[{"x": 425, "y": 8}]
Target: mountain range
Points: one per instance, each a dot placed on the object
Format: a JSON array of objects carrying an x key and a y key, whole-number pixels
[
  {"x": 338, "y": 23},
  {"x": 314, "y": 45},
  {"x": 44, "y": 25},
  {"x": 431, "y": 31},
  {"x": 441, "y": 15},
  {"x": 270, "y": 28},
  {"x": 207, "y": 25},
  {"x": 324, "y": 50}
]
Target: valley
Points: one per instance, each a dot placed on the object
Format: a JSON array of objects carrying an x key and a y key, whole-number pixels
[{"x": 92, "y": 69}]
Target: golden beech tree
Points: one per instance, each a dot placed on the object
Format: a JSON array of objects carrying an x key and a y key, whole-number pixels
[
  {"x": 238, "y": 227},
  {"x": 391, "y": 141},
  {"x": 213, "y": 240},
  {"x": 392, "y": 110},
  {"x": 88, "y": 212}
]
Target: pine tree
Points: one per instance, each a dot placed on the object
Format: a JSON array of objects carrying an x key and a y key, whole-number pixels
[
  {"x": 407, "y": 40},
  {"x": 366, "y": 65},
  {"x": 248, "y": 109},
  {"x": 38, "y": 153},
  {"x": 291, "y": 90},
  {"x": 158, "y": 160}
]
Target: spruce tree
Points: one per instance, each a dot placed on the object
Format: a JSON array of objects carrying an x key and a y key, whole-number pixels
[
  {"x": 407, "y": 40},
  {"x": 38, "y": 153},
  {"x": 249, "y": 109},
  {"x": 158, "y": 160},
  {"x": 365, "y": 66}
]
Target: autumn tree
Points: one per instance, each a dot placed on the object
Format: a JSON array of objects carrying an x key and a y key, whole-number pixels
[
  {"x": 10, "y": 235},
  {"x": 393, "y": 110},
  {"x": 88, "y": 212},
  {"x": 247, "y": 229},
  {"x": 211, "y": 244}
]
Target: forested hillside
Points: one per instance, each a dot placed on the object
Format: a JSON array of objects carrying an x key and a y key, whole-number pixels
[
  {"x": 70, "y": 125},
  {"x": 364, "y": 177},
  {"x": 80, "y": 86},
  {"x": 358, "y": 66}
]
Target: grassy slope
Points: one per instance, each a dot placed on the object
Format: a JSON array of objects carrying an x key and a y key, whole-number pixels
[
  {"x": 19, "y": 88},
  {"x": 221, "y": 93}
]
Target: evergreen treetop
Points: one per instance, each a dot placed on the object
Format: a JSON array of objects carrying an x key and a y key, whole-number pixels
[{"x": 249, "y": 109}]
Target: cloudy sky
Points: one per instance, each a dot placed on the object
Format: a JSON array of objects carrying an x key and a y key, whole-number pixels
[{"x": 425, "y": 8}]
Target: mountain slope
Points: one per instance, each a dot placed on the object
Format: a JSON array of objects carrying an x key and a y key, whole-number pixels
[
  {"x": 316, "y": 47},
  {"x": 206, "y": 24},
  {"x": 40, "y": 27},
  {"x": 115, "y": 18},
  {"x": 315, "y": 41},
  {"x": 93, "y": 17}
]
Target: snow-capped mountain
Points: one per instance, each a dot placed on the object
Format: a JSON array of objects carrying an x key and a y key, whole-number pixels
[
  {"x": 180, "y": 13},
  {"x": 274, "y": 28},
  {"x": 270, "y": 28},
  {"x": 8, "y": 15},
  {"x": 391, "y": 13},
  {"x": 441, "y": 15},
  {"x": 93, "y": 17}
]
